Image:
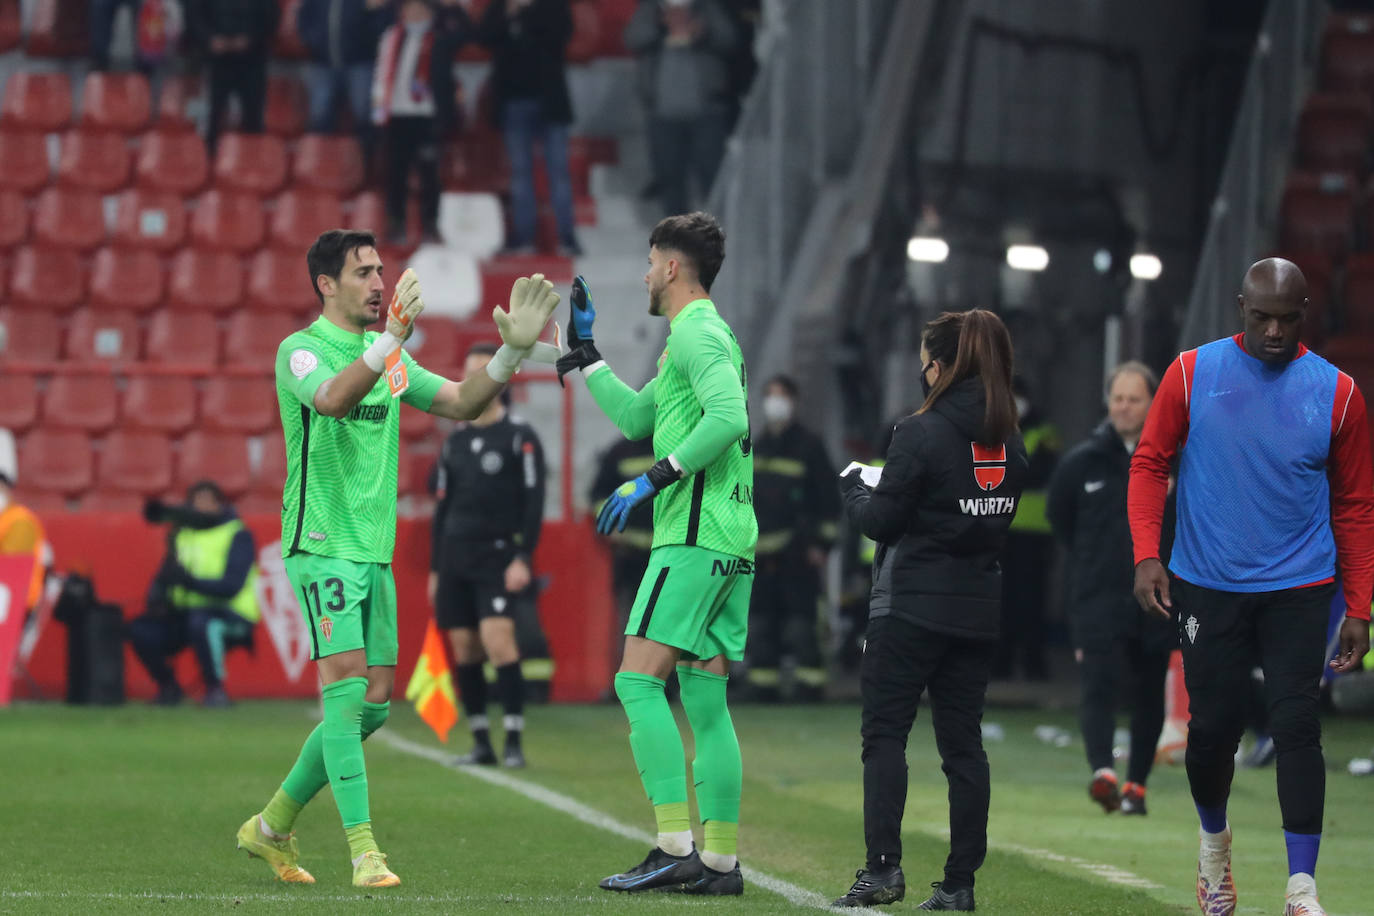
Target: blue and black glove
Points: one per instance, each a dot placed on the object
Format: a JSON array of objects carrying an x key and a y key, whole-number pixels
[
  {"x": 616, "y": 512},
  {"x": 581, "y": 349}
]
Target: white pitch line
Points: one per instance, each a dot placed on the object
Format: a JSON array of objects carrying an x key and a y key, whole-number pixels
[
  {"x": 797, "y": 896},
  {"x": 1109, "y": 873}
]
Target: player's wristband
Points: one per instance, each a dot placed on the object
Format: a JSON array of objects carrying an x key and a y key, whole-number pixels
[
  {"x": 504, "y": 363},
  {"x": 664, "y": 472},
  {"x": 376, "y": 353},
  {"x": 584, "y": 356}
]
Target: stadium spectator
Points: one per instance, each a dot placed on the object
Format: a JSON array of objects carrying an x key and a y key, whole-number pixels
[
  {"x": 940, "y": 514},
  {"x": 237, "y": 37},
  {"x": 797, "y": 506},
  {"x": 1275, "y": 497},
  {"x": 157, "y": 28},
  {"x": 684, "y": 50},
  {"x": 625, "y": 460},
  {"x": 413, "y": 101},
  {"x": 486, "y": 526},
  {"x": 528, "y": 40},
  {"x": 102, "y": 17},
  {"x": 202, "y": 596},
  {"x": 1029, "y": 553},
  {"x": 1115, "y": 643},
  {"x": 342, "y": 36},
  {"x": 747, "y": 15}
]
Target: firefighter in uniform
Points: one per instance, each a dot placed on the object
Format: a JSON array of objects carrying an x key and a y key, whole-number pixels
[
  {"x": 798, "y": 509},
  {"x": 625, "y": 460}
]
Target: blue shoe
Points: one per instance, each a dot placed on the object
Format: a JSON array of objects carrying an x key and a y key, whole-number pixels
[{"x": 659, "y": 869}]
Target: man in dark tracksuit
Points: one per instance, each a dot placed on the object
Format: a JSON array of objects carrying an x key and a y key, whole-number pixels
[
  {"x": 491, "y": 506},
  {"x": 798, "y": 508},
  {"x": 237, "y": 37},
  {"x": 1087, "y": 507}
]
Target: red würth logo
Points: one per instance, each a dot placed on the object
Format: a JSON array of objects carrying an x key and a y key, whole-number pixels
[{"x": 989, "y": 465}]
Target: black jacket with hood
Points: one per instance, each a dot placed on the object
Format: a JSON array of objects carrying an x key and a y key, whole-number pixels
[{"x": 940, "y": 515}]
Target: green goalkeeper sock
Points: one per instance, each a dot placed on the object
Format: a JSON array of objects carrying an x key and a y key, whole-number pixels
[
  {"x": 341, "y": 741},
  {"x": 360, "y": 840},
  {"x": 280, "y": 814},
  {"x": 718, "y": 770},
  {"x": 308, "y": 776},
  {"x": 654, "y": 738}
]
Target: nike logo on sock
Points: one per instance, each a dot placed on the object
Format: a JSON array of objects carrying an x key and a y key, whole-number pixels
[{"x": 347, "y": 778}]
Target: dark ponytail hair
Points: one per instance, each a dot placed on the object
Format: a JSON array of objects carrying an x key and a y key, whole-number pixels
[{"x": 972, "y": 343}]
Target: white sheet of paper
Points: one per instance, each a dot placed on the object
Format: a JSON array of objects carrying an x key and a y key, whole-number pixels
[{"x": 867, "y": 472}]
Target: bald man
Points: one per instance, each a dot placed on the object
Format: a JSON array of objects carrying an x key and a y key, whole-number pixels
[{"x": 1275, "y": 501}]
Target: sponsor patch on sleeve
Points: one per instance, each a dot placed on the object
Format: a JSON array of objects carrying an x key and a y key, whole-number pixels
[{"x": 303, "y": 362}]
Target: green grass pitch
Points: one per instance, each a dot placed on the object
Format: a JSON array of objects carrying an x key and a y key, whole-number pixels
[{"x": 134, "y": 810}]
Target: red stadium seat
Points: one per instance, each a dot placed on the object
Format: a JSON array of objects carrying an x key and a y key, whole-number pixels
[
  {"x": 14, "y": 219},
  {"x": 69, "y": 218},
  {"x": 221, "y": 457},
  {"x": 278, "y": 281},
  {"x": 56, "y": 460},
  {"x": 171, "y": 103},
  {"x": 284, "y": 115},
  {"x": 252, "y": 338},
  {"x": 11, "y": 25},
  {"x": 81, "y": 401},
  {"x": 228, "y": 221},
  {"x": 97, "y": 336},
  {"x": 37, "y": 101},
  {"x": 499, "y": 273},
  {"x": 1317, "y": 267},
  {"x": 25, "y": 154},
  {"x": 105, "y": 501},
  {"x": 1334, "y": 132},
  {"x": 251, "y": 162},
  {"x": 204, "y": 281},
  {"x": 325, "y": 163},
  {"x": 368, "y": 212},
  {"x": 95, "y": 160},
  {"x": 269, "y": 470},
  {"x": 288, "y": 44},
  {"x": 163, "y": 403},
  {"x": 34, "y": 335},
  {"x": 436, "y": 343},
  {"x": 241, "y": 405},
  {"x": 1317, "y": 212},
  {"x": 49, "y": 278},
  {"x": 172, "y": 161},
  {"x": 1348, "y": 53},
  {"x": 58, "y": 28},
  {"x": 126, "y": 279},
  {"x": 179, "y": 338},
  {"x": 1358, "y": 317},
  {"x": 300, "y": 217},
  {"x": 116, "y": 101},
  {"x": 416, "y": 425},
  {"x": 135, "y": 461},
  {"x": 155, "y": 220},
  {"x": 586, "y": 42},
  {"x": 19, "y": 406}
]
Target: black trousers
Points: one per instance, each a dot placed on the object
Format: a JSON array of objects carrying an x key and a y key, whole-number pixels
[
  {"x": 242, "y": 75},
  {"x": 783, "y": 615},
  {"x": 1142, "y": 668},
  {"x": 685, "y": 150},
  {"x": 1223, "y": 636},
  {"x": 158, "y": 637},
  {"x": 901, "y": 661},
  {"x": 412, "y": 143}
]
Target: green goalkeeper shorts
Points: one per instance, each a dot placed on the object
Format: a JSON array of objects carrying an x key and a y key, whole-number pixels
[
  {"x": 696, "y": 600},
  {"x": 346, "y": 605}
]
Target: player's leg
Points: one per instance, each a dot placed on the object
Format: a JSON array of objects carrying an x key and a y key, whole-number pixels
[
  {"x": 497, "y": 631},
  {"x": 1150, "y": 665},
  {"x": 455, "y": 610},
  {"x": 1216, "y": 636},
  {"x": 1098, "y": 672},
  {"x": 1292, "y": 640}
]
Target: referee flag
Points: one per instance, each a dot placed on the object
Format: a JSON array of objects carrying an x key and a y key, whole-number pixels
[{"x": 431, "y": 685}]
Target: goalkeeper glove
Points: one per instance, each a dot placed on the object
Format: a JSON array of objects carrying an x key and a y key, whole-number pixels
[
  {"x": 532, "y": 301},
  {"x": 616, "y": 512},
  {"x": 582, "y": 350},
  {"x": 384, "y": 353}
]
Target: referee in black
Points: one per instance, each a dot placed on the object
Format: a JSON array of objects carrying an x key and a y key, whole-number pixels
[
  {"x": 490, "y": 484},
  {"x": 940, "y": 515}
]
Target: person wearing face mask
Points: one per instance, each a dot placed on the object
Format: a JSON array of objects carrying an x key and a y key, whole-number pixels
[
  {"x": 798, "y": 510},
  {"x": 1087, "y": 509}
]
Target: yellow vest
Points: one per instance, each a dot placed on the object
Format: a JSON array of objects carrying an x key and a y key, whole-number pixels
[{"x": 205, "y": 554}]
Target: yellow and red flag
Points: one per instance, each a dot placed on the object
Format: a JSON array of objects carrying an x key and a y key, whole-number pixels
[{"x": 431, "y": 686}]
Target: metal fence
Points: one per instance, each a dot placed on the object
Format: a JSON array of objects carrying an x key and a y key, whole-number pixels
[{"x": 1244, "y": 214}]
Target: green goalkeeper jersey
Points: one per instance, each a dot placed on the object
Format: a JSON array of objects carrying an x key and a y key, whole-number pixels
[
  {"x": 340, "y": 496},
  {"x": 697, "y": 410}
]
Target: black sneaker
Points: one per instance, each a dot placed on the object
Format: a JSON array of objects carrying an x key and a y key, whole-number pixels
[
  {"x": 872, "y": 886},
  {"x": 216, "y": 698},
  {"x": 657, "y": 870},
  {"x": 513, "y": 758},
  {"x": 960, "y": 899},
  {"x": 716, "y": 883},
  {"x": 169, "y": 695},
  {"x": 480, "y": 755}
]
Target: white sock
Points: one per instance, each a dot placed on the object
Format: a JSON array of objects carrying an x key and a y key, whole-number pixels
[
  {"x": 1104, "y": 771},
  {"x": 718, "y": 861},
  {"x": 269, "y": 831},
  {"x": 678, "y": 843},
  {"x": 1216, "y": 840}
]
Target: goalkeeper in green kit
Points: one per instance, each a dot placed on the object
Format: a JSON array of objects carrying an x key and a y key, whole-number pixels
[
  {"x": 341, "y": 420},
  {"x": 692, "y": 606}
]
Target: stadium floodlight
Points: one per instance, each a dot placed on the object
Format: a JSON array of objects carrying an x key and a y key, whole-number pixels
[
  {"x": 1146, "y": 267},
  {"x": 1027, "y": 257},
  {"x": 927, "y": 248}
]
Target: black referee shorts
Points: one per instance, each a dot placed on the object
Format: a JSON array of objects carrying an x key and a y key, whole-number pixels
[{"x": 472, "y": 586}]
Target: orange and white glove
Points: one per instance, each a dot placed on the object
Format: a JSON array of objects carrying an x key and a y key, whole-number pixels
[{"x": 384, "y": 353}]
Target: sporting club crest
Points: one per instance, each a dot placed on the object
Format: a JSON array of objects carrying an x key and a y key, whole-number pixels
[
  {"x": 989, "y": 465},
  {"x": 1190, "y": 626}
]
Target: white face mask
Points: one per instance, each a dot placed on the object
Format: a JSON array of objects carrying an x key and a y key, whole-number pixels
[
  {"x": 777, "y": 409},
  {"x": 1022, "y": 405}
]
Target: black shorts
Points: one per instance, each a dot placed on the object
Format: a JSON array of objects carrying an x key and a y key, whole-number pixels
[{"x": 472, "y": 586}]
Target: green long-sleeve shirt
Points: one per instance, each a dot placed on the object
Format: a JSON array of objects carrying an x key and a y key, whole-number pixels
[{"x": 696, "y": 409}]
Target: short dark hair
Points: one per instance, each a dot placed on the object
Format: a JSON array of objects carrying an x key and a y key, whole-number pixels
[
  {"x": 481, "y": 348},
  {"x": 698, "y": 237},
  {"x": 205, "y": 486},
  {"x": 786, "y": 383},
  {"x": 330, "y": 250}
]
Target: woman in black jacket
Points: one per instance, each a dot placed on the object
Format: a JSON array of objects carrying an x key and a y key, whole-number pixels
[{"x": 940, "y": 514}]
